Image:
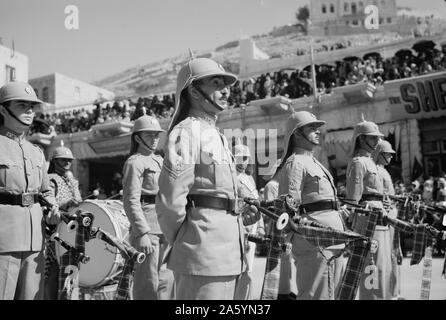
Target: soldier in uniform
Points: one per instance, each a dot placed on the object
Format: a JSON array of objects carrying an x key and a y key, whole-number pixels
[
  {"x": 196, "y": 203},
  {"x": 22, "y": 177},
  {"x": 66, "y": 191},
  {"x": 152, "y": 280},
  {"x": 287, "y": 281},
  {"x": 247, "y": 188},
  {"x": 313, "y": 188},
  {"x": 363, "y": 183},
  {"x": 382, "y": 157}
]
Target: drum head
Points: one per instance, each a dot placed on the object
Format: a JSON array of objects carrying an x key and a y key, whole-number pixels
[{"x": 104, "y": 259}]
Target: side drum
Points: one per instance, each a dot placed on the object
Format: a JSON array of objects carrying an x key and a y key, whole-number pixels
[{"x": 105, "y": 261}]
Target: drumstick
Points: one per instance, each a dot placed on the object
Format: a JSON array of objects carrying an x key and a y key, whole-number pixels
[
  {"x": 95, "y": 193},
  {"x": 120, "y": 193}
]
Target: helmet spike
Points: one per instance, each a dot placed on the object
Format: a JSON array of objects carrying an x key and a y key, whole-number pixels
[
  {"x": 362, "y": 117},
  {"x": 191, "y": 54},
  {"x": 61, "y": 143}
]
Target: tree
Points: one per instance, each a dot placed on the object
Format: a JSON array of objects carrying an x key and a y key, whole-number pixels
[{"x": 302, "y": 16}]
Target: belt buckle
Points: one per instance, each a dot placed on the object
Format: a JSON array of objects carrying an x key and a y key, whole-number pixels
[
  {"x": 337, "y": 206},
  {"x": 27, "y": 199}
]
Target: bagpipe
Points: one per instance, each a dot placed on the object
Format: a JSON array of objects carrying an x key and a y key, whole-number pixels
[
  {"x": 424, "y": 234},
  {"x": 70, "y": 262},
  {"x": 285, "y": 212}
]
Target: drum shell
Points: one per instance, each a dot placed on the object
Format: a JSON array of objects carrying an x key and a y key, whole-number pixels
[{"x": 105, "y": 260}]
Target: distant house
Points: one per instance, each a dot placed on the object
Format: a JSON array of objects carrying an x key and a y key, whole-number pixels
[{"x": 63, "y": 93}]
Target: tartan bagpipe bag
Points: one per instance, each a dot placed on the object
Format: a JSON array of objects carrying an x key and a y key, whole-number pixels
[{"x": 319, "y": 235}]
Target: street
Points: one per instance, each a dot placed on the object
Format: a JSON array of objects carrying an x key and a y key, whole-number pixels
[{"x": 410, "y": 279}]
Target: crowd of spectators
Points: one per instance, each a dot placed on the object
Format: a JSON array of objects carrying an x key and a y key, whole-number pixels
[
  {"x": 371, "y": 68},
  {"x": 291, "y": 83},
  {"x": 82, "y": 119}
]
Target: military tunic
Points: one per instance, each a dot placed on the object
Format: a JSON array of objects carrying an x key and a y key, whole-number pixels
[
  {"x": 22, "y": 170},
  {"x": 363, "y": 178},
  {"x": 247, "y": 188},
  {"x": 395, "y": 276},
  {"x": 207, "y": 243},
  {"x": 303, "y": 177},
  {"x": 152, "y": 280},
  {"x": 287, "y": 280}
]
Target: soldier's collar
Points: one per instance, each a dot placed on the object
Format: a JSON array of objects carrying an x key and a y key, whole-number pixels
[
  {"x": 211, "y": 120},
  {"x": 363, "y": 153},
  {"x": 299, "y": 150},
  {"x": 18, "y": 137}
]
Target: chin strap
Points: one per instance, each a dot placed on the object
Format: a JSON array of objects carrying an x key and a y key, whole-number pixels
[
  {"x": 145, "y": 144},
  {"x": 385, "y": 160},
  {"x": 207, "y": 98},
  {"x": 15, "y": 117},
  {"x": 368, "y": 145},
  {"x": 303, "y": 136}
]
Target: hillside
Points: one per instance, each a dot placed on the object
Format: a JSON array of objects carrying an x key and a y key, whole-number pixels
[{"x": 160, "y": 77}]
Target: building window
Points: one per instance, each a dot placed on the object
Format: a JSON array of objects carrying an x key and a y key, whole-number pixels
[
  {"x": 332, "y": 8},
  {"x": 360, "y": 5},
  {"x": 355, "y": 22},
  {"x": 381, "y": 20},
  {"x": 324, "y": 8},
  {"x": 389, "y": 20},
  {"x": 347, "y": 22},
  {"x": 10, "y": 73},
  {"x": 383, "y": 3},
  {"x": 45, "y": 95},
  {"x": 345, "y": 7},
  {"x": 353, "y": 8},
  {"x": 77, "y": 93}
]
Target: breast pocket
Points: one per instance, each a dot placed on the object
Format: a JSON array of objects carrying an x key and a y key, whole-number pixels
[
  {"x": 371, "y": 178},
  {"x": 9, "y": 173},
  {"x": 151, "y": 179},
  {"x": 312, "y": 181}
]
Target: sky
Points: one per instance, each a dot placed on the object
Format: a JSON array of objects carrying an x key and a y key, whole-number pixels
[{"x": 114, "y": 35}]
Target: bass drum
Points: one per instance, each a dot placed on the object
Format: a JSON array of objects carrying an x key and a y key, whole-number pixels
[{"x": 105, "y": 260}]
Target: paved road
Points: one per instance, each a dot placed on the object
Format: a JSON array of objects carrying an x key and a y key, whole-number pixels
[{"x": 410, "y": 279}]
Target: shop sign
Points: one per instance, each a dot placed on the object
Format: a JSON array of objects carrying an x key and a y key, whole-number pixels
[{"x": 417, "y": 97}]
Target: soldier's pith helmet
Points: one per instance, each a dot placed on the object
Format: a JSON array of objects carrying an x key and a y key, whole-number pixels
[
  {"x": 17, "y": 90},
  {"x": 194, "y": 70},
  {"x": 382, "y": 147},
  {"x": 146, "y": 123},
  {"x": 366, "y": 128},
  {"x": 296, "y": 121},
  {"x": 62, "y": 153},
  {"x": 385, "y": 147}
]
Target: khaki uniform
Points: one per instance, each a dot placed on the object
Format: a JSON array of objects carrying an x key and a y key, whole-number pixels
[
  {"x": 22, "y": 170},
  {"x": 247, "y": 188},
  {"x": 287, "y": 281},
  {"x": 303, "y": 177},
  {"x": 207, "y": 243},
  {"x": 395, "y": 276},
  {"x": 152, "y": 280},
  {"x": 363, "y": 178}
]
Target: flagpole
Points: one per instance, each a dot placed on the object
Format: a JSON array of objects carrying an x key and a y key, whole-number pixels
[{"x": 313, "y": 71}]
